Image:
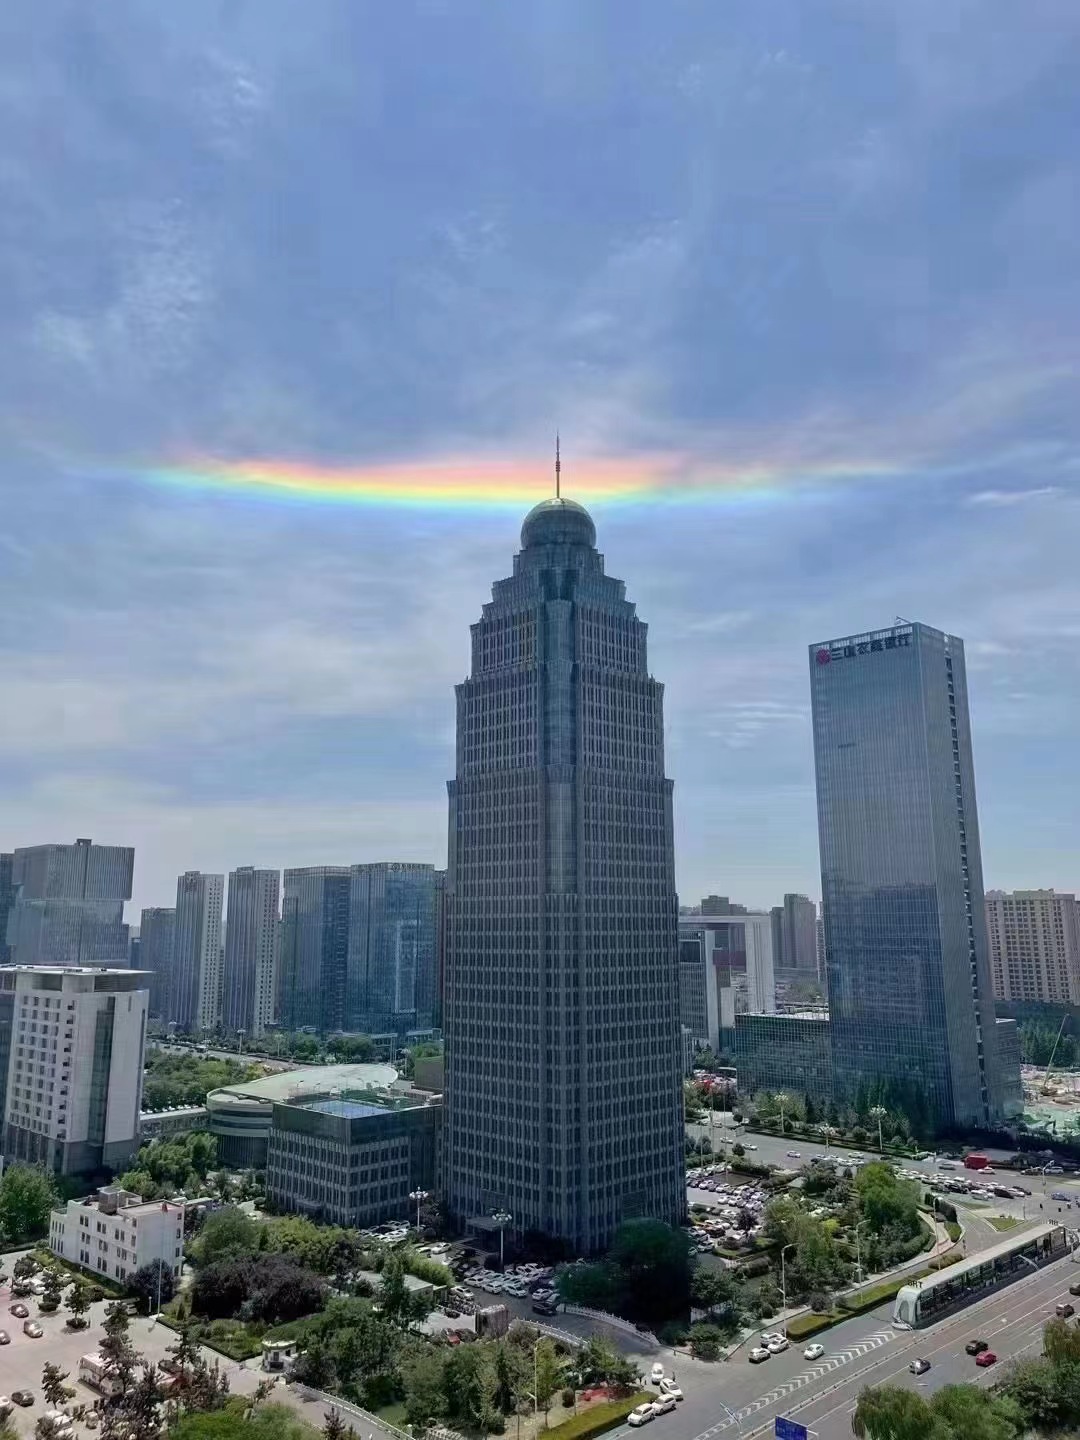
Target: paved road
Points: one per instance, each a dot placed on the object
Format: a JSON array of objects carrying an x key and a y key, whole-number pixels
[{"x": 744, "y": 1399}]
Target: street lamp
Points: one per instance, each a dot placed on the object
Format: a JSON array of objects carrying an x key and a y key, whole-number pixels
[
  {"x": 783, "y": 1283},
  {"x": 419, "y": 1196},
  {"x": 879, "y": 1112},
  {"x": 502, "y": 1218},
  {"x": 858, "y": 1250},
  {"x": 782, "y": 1099}
]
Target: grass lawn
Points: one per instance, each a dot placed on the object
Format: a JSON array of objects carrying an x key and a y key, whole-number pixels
[
  {"x": 971, "y": 1204},
  {"x": 1002, "y": 1222}
]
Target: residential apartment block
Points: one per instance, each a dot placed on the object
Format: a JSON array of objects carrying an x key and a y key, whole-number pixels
[{"x": 1034, "y": 945}]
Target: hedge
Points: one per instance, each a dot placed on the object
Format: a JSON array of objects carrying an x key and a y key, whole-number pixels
[
  {"x": 45, "y": 1258},
  {"x": 597, "y": 1418}
]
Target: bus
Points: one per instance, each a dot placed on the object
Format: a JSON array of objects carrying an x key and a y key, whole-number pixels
[
  {"x": 924, "y": 1301},
  {"x": 975, "y": 1161}
]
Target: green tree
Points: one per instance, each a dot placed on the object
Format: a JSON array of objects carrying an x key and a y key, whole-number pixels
[
  {"x": 55, "y": 1391},
  {"x": 78, "y": 1303},
  {"x": 27, "y": 1196},
  {"x": 1061, "y": 1342},
  {"x": 596, "y": 1360},
  {"x": 153, "y": 1285},
  {"x": 710, "y": 1288},
  {"x": 269, "y": 1422},
  {"x": 226, "y": 1234},
  {"x": 888, "y": 1412},
  {"x": 422, "y": 1377},
  {"x": 706, "y": 1341},
  {"x": 974, "y": 1414},
  {"x": 52, "y": 1293},
  {"x": 25, "y": 1267},
  {"x": 547, "y": 1370},
  {"x": 115, "y": 1345},
  {"x": 653, "y": 1261},
  {"x": 333, "y": 1426}
]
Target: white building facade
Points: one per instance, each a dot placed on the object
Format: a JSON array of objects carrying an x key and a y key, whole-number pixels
[
  {"x": 195, "y": 992},
  {"x": 71, "y": 1065},
  {"x": 249, "y": 981},
  {"x": 725, "y": 969},
  {"x": 1034, "y": 945},
  {"x": 115, "y": 1233}
]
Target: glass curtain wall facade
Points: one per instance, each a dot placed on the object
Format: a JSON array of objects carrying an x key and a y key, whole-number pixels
[
  {"x": 910, "y": 995},
  {"x": 157, "y": 927},
  {"x": 390, "y": 986},
  {"x": 563, "y": 1095},
  {"x": 314, "y": 948},
  {"x": 69, "y": 904}
]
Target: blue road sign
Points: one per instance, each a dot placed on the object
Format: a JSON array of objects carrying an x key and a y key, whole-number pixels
[{"x": 789, "y": 1429}]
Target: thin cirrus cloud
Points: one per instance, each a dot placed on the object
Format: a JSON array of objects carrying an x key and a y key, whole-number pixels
[{"x": 288, "y": 332}]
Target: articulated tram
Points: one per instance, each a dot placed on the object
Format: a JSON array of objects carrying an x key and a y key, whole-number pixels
[{"x": 924, "y": 1301}]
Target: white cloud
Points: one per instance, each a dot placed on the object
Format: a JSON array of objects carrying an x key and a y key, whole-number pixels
[{"x": 1002, "y": 499}]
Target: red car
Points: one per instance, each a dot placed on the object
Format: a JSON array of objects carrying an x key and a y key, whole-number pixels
[{"x": 986, "y": 1358}]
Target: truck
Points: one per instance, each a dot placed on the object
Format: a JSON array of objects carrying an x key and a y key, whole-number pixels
[
  {"x": 492, "y": 1321},
  {"x": 975, "y": 1161},
  {"x": 99, "y": 1374}
]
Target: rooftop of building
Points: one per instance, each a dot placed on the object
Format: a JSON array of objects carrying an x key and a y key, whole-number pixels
[
  {"x": 558, "y": 521},
  {"x": 112, "y": 1199},
  {"x": 74, "y": 970},
  {"x": 787, "y": 1015},
  {"x": 310, "y": 1082},
  {"x": 354, "y": 1103}
]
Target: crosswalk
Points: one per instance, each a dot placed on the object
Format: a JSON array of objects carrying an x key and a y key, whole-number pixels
[{"x": 824, "y": 1367}]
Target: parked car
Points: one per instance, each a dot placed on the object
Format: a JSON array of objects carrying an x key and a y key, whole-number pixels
[
  {"x": 19, "y": 1310},
  {"x": 33, "y": 1329},
  {"x": 1063, "y": 1311},
  {"x": 919, "y": 1366},
  {"x": 794, "y": 1155},
  {"x": 5, "y": 1338},
  {"x": 1074, "y": 1289},
  {"x": 663, "y": 1403},
  {"x": 656, "y": 1374},
  {"x": 642, "y": 1414},
  {"x": 23, "y": 1397},
  {"x": 985, "y": 1358},
  {"x": 668, "y": 1387},
  {"x": 814, "y": 1351},
  {"x": 778, "y": 1346},
  {"x": 757, "y": 1354},
  {"x": 976, "y": 1347},
  {"x": 6, "y": 1407}
]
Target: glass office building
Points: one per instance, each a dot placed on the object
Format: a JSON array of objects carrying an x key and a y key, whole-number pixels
[
  {"x": 68, "y": 905},
  {"x": 390, "y": 986},
  {"x": 910, "y": 994},
  {"x": 563, "y": 1064}
]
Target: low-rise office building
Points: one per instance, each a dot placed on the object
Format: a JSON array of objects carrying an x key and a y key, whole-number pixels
[
  {"x": 114, "y": 1233},
  {"x": 240, "y": 1115},
  {"x": 784, "y": 1052},
  {"x": 351, "y": 1159}
]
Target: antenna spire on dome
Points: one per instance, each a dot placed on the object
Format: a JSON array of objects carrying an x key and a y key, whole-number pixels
[{"x": 558, "y": 469}]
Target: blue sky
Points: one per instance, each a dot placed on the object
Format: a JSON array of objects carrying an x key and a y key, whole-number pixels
[{"x": 345, "y": 232}]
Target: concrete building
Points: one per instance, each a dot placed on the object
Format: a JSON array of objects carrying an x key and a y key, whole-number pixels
[
  {"x": 114, "y": 1233},
  {"x": 1012, "y": 1088},
  {"x": 789, "y": 1053},
  {"x": 195, "y": 990},
  {"x": 1034, "y": 945},
  {"x": 351, "y": 1159},
  {"x": 909, "y": 985},
  {"x": 390, "y": 974},
  {"x": 69, "y": 904},
  {"x": 157, "y": 932},
  {"x": 240, "y": 1115},
  {"x": 725, "y": 969},
  {"x": 71, "y": 1065},
  {"x": 249, "y": 978},
  {"x": 313, "y": 964},
  {"x": 563, "y": 1056},
  {"x": 795, "y": 935}
]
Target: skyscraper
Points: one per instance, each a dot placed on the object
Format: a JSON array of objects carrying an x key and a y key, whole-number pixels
[
  {"x": 7, "y": 903},
  {"x": 157, "y": 930},
  {"x": 909, "y": 986},
  {"x": 314, "y": 948},
  {"x": 249, "y": 976},
  {"x": 69, "y": 905},
  {"x": 390, "y": 979},
  {"x": 195, "y": 992},
  {"x": 563, "y": 1096},
  {"x": 1034, "y": 945},
  {"x": 798, "y": 934}
]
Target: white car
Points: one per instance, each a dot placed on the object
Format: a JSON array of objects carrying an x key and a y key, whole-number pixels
[
  {"x": 778, "y": 1346},
  {"x": 656, "y": 1374},
  {"x": 794, "y": 1155},
  {"x": 663, "y": 1403},
  {"x": 770, "y": 1335},
  {"x": 668, "y": 1387},
  {"x": 757, "y": 1354},
  {"x": 642, "y": 1414},
  {"x": 813, "y": 1352}
]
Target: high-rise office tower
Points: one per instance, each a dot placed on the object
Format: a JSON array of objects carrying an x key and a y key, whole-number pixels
[
  {"x": 799, "y": 934},
  {"x": 249, "y": 977},
  {"x": 313, "y": 962},
  {"x": 69, "y": 905},
  {"x": 7, "y": 902},
  {"x": 563, "y": 1086},
  {"x": 910, "y": 996},
  {"x": 157, "y": 932},
  {"x": 195, "y": 991},
  {"x": 1034, "y": 945},
  {"x": 390, "y": 977},
  {"x": 71, "y": 1065}
]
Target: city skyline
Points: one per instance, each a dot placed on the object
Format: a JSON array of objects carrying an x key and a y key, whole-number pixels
[{"x": 811, "y": 354}]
